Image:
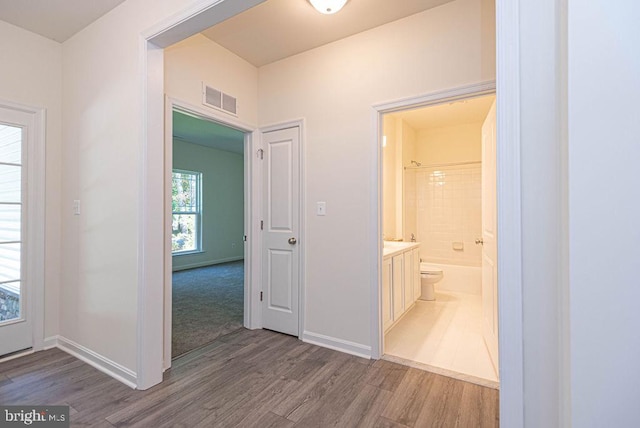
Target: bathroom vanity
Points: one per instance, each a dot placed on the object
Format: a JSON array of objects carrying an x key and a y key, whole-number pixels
[{"x": 400, "y": 280}]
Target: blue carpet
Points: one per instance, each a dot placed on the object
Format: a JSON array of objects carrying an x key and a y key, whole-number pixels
[{"x": 208, "y": 302}]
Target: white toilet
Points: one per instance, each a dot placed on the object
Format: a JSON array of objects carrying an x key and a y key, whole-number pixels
[{"x": 429, "y": 275}]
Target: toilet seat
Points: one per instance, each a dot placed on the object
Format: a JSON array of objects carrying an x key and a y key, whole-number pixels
[{"x": 430, "y": 269}]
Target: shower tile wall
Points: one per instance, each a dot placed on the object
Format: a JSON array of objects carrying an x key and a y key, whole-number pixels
[{"x": 448, "y": 203}]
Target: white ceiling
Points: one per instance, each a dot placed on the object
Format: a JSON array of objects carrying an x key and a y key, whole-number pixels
[
  {"x": 277, "y": 29},
  {"x": 271, "y": 31},
  {"x": 55, "y": 19},
  {"x": 206, "y": 133},
  {"x": 473, "y": 110}
]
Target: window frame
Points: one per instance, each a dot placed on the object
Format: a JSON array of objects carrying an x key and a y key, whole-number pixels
[{"x": 197, "y": 212}]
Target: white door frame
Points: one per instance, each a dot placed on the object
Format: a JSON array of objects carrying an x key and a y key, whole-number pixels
[
  {"x": 205, "y": 13},
  {"x": 34, "y": 244},
  {"x": 509, "y": 279},
  {"x": 412, "y": 103},
  {"x": 203, "y": 113}
]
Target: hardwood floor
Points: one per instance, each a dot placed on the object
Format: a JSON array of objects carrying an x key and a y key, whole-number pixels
[{"x": 253, "y": 379}]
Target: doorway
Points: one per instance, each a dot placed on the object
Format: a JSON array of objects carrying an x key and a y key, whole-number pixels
[
  {"x": 21, "y": 228},
  {"x": 207, "y": 231},
  {"x": 206, "y": 261},
  {"x": 439, "y": 290}
]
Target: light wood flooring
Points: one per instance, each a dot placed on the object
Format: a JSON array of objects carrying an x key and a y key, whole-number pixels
[{"x": 253, "y": 379}]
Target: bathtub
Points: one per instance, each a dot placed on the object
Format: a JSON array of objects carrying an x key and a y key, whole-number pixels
[{"x": 461, "y": 279}]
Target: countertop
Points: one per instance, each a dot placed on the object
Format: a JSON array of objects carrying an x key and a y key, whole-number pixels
[{"x": 391, "y": 248}]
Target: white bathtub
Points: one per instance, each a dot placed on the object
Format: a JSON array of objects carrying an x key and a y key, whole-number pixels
[{"x": 461, "y": 279}]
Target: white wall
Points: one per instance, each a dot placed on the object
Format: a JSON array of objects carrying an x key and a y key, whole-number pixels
[
  {"x": 604, "y": 150},
  {"x": 31, "y": 74},
  {"x": 449, "y": 210},
  {"x": 460, "y": 143},
  {"x": 222, "y": 203},
  {"x": 197, "y": 59},
  {"x": 409, "y": 149},
  {"x": 102, "y": 131},
  {"x": 390, "y": 164},
  {"x": 334, "y": 87}
]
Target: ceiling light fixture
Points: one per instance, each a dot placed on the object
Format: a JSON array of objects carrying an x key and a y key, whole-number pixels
[{"x": 328, "y": 7}]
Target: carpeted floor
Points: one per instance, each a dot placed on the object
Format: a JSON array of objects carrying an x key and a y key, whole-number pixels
[{"x": 208, "y": 302}]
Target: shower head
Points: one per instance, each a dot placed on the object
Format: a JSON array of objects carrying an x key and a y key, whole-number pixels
[{"x": 415, "y": 163}]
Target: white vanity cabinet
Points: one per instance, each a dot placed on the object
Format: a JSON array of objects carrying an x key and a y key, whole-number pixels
[
  {"x": 408, "y": 279},
  {"x": 415, "y": 264},
  {"x": 399, "y": 281},
  {"x": 387, "y": 299},
  {"x": 397, "y": 285}
]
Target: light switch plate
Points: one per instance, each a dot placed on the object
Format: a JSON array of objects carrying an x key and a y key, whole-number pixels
[{"x": 321, "y": 208}]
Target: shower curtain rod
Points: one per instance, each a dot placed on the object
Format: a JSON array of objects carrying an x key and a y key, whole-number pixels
[{"x": 439, "y": 165}]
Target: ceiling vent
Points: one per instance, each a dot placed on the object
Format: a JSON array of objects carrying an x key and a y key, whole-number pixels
[{"x": 219, "y": 100}]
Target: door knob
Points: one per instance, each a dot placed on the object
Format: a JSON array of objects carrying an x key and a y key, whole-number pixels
[
  {"x": 479, "y": 241},
  {"x": 293, "y": 241}
]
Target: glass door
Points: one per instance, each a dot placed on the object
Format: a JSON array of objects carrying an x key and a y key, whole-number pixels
[
  {"x": 15, "y": 325},
  {"x": 10, "y": 222}
]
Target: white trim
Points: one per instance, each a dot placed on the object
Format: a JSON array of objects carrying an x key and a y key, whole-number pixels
[
  {"x": 444, "y": 372},
  {"x": 336, "y": 344},
  {"x": 301, "y": 125},
  {"x": 194, "y": 19},
  {"x": 253, "y": 246},
  {"x": 50, "y": 342},
  {"x": 151, "y": 262},
  {"x": 210, "y": 114},
  {"x": 438, "y": 97},
  {"x": 34, "y": 245},
  {"x": 509, "y": 198},
  {"x": 16, "y": 355},
  {"x": 105, "y": 365},
  {"x": 207, "y": 263},
  {"x": 434, "y": 98}
]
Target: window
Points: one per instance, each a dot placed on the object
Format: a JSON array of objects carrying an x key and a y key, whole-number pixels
[
  {"x": 186, "y": 206},
  {"x": 11, "y": 215}
]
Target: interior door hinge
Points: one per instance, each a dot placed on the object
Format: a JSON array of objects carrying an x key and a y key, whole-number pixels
[
  {"x": 245, "y": 238},
  {"x": 261, "y": 153},
  {"x": 261, "y": 296},
  {"x": 261, "y": 224}
]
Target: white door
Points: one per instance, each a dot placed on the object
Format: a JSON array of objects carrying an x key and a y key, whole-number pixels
[
  {"x": 281, "y": 228},
  {"x": 16, "y": 321},
  {"x": 489, "y": 248}
]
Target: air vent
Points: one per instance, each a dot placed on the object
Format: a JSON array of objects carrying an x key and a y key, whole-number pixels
[{"x": 219, "y": 100}]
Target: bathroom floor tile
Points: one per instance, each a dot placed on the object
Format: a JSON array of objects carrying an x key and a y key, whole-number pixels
[{"x": 444, "y": 333}]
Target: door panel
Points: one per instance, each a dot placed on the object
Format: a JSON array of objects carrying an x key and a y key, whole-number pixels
[
  {"x": 408, "y": 280},
  {"x": 489, "y": 248},
  {"x": 387, "y": 298},
  {"x": 15, "y": 318},
  {"x": 397, "y": 285},
  {"x": 417, "y": 289},
  {"x": 281, "y": 249},
  {"x": 280, "y": 283}
]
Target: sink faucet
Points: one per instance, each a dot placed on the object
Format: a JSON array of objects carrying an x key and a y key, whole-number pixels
[{"x": 413, "y": 238}]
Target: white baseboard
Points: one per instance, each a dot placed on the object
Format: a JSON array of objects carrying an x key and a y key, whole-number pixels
[
  {"x": 207, "y": 263},
  {"x": 105, "y": 365},
  {"x": 337, "y": 344},
  {"x": 50, "y": 342}
]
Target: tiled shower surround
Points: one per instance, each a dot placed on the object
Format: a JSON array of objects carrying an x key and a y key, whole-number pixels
[{"x": 448, "y": 208}]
